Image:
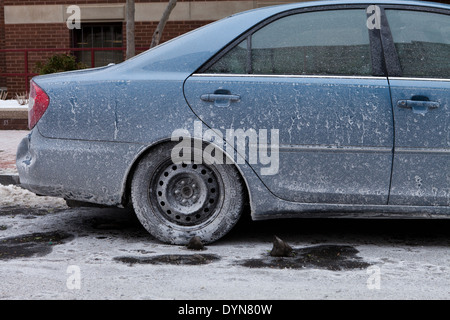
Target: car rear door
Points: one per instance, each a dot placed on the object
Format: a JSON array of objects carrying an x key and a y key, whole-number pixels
[
  {"x": 420, "y": 86},
  {"x": 315, "y": 75}
]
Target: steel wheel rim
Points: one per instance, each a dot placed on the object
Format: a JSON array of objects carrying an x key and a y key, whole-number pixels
[{"x": 185, "y": 194}]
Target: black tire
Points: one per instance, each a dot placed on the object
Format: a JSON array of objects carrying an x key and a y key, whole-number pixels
[{"x": 175, "y": 202}]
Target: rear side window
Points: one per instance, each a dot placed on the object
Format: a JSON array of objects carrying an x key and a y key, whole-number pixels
[
  {"x": 422, "y": 41},
  {"x": 334, "y": 42},
  {"x": 235, "y": 61}
]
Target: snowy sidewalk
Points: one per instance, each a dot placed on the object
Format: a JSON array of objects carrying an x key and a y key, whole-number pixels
[
  {"x": 9, "y": 141},
  {"x": 11, "y": 195},
  {"x": 12, "y": 104}
]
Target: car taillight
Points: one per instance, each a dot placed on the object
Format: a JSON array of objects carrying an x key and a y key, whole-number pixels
[{"x": 37, "y": 104}]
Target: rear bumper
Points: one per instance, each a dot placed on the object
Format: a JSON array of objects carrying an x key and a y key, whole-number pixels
[{"x": 88, "y": 171}]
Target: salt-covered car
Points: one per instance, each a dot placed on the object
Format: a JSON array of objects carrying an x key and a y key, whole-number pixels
[{"x": 319, "y": 109}]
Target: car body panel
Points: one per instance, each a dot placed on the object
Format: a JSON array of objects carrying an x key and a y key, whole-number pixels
[
  {"x": 83, "y": 114},
  {"x": 87, "y": 171},
  {"x": 332, "y": 131},
  {"x": 421, "y": 171}
]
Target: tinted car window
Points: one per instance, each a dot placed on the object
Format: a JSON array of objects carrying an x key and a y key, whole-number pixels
[
  {"x": 422, "y": 41},
  {"x": 334, "y": 42},
  {"x": 233, "y": 62}
]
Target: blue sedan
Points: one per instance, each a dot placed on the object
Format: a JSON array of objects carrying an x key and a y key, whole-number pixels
[{"x": 327, "y": 108}]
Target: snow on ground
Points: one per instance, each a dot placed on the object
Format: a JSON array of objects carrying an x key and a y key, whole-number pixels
[
  {"x": 12, "y": 104},
  {"x": 14, "y": 196},
  {"x": 9, "y": 140}
]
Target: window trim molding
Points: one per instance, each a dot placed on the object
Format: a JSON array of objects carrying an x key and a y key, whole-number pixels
[
  {"x": 302, "y": 76},
  {"x": 418, "y": 79}
]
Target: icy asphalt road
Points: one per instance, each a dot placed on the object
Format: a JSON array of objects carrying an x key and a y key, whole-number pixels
[{"x": 48, "y": 251}]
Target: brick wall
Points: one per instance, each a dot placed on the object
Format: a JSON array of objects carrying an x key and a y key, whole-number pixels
[{"x": 31, "y": 36}]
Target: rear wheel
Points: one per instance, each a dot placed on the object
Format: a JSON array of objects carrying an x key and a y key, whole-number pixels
[{"x": 175, "y": 202}]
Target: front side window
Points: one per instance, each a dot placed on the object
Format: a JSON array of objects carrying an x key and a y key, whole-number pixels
[
  {"x": 422, "y": 41},
  {"x": 334, "y": 42}
]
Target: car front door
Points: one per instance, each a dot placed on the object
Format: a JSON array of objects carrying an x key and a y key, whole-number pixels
[
  {"x": 420, "y": 87},
  {"x": 315, "y": 78}
]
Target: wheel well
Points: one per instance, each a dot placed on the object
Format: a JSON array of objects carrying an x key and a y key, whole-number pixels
[{"x": 126, "y": 198}]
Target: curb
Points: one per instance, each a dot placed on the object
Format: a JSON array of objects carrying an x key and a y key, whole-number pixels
[{"x": 7, "y": 179}]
